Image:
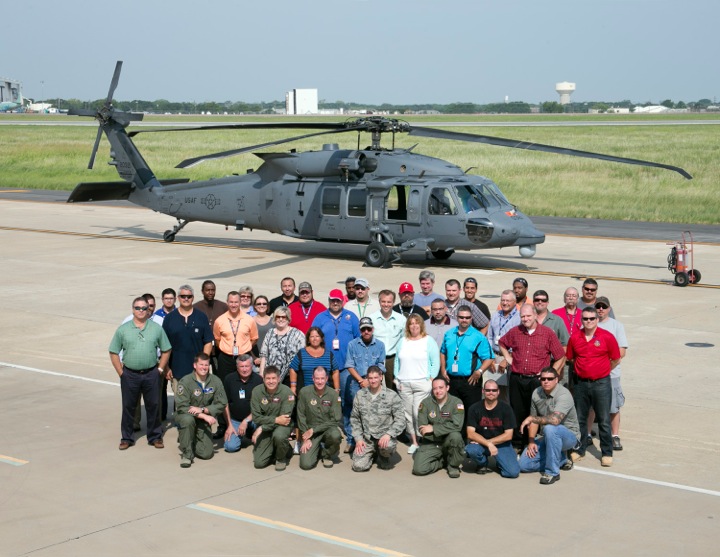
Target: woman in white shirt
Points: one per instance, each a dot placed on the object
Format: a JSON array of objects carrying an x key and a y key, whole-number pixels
[{"x": 417, "y": 362}]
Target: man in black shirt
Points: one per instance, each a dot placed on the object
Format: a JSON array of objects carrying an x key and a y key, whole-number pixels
[{"x": 239, "y": 387}]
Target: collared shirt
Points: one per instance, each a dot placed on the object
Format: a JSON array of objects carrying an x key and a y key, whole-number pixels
[
  {"x": 479, "y": 320},
  {"x": 532, "y": 352},
  {"x": 468, "y": 351},
  {"x": 211, "y": 395},
  {"x": 366, "y": 309},
  {"x": 445, "y": 419},
  {"x": 559, "y": 400},
  {"x": 592, "y": 357},
  {"x": 501, "y": 324},
  {"x": 424, "y": 300},
  {"x": 188, "y": 336},
  {"x": 557, "y": 325},
  {"x": 139, "y": 345},
  {"x": 338, "y": 331},
  {"x": 212, "y": 313},
  {"x": 438, "y": 330},
  {"x": 361, "y": 356},
  {"x": 618, "y": 331},
  {"x": 318, "y": 412},
  {"x": 378, "y": 415},
  {"x": 267, "y": 406},
  {"x": 241, "y": 332},
  {"x": 389, "y": 330},
  {"x": 573, "y": 321},
  {"x": 280, "y": 302}
]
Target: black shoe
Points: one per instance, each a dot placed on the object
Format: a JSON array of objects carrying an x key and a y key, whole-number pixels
[
  {"x": 617, "y": 446},
  {"x": 569, "y": 465},
  {"x": 482, "y": 470},
  {"x": 547, "y": 479},
  {"x": 218, "y": 435},
  {"x": 588, "y": 440}
]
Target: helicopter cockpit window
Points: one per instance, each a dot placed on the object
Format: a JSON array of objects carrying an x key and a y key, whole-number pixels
[
  {"x": 441, "y": 202},
  {"x": 331, "y": 201},
  {"x": 357, "y": 203}
]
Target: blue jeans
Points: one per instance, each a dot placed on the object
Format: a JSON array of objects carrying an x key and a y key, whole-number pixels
[
  {"x": 233, "y": 444},
  {"x": 598, "y": 396},
  {"x": 551, "y": 453},
  {"x": 506, "y": 458},
  {"x": 348, "y": 389}
]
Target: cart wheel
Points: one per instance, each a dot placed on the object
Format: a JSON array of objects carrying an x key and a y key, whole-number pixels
[
  {"x": 682, "y": 279},
  {"x": 694, "y": 276}
]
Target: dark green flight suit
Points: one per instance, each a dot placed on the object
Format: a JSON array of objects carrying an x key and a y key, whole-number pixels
[
  {"x": 272, "y": 443},
  {"x": 194, "y": 434},
  {"x": 322, "y": 414},
  {"x": 445, "y": 443}
]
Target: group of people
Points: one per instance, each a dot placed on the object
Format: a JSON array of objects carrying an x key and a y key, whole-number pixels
[{"x": 464, "y": 385}]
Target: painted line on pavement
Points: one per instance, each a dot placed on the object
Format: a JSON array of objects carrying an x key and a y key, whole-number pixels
[
  {"x": 13, "y": 461},
  {"x": 58, "y": 374},
  {"x": 296, "y": 530},
  {"x": 649, "y": 481}
]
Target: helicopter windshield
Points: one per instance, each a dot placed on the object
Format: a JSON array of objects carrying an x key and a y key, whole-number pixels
[{"x": 480, "y": 196}]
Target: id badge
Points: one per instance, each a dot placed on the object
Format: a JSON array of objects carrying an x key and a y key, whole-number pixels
[
  {"x": 241, "y": 394},
  {"x": 235, "y": 350},
  {"x": 336, "y": 344},
  {"x": 454, "y": 367}
]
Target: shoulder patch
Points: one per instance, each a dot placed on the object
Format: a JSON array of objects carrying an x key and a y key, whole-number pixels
[
  {"x": 291, "y": 398},
  {"x": 197, "y": 392},
  {"x": 181, "y": 389},
  {"x": 460, "y": 406}
]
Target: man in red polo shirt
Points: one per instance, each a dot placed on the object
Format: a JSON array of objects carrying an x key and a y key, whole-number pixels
[
  {"x": 528, "y": 348},
  {"x": 595, "y": 353}
]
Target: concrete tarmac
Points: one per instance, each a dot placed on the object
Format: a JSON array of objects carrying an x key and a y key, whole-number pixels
[{"x": 69, "y": 274}]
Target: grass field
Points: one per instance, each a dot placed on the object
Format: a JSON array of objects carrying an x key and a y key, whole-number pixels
[{"x": 55, "y": 157}]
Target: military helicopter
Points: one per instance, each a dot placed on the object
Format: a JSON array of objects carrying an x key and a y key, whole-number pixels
[{"x": 393, "y": 200}]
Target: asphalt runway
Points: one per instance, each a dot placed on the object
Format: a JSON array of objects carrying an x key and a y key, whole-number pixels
[{"x": 70, "y": 273}]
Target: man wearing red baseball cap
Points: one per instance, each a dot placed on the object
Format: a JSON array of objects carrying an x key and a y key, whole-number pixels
[{"x": 407, "y": 305}]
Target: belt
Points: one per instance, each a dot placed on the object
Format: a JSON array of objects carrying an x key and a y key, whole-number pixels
[
  {"x": 141, "y": 371},
  {"x": 583, "y": 380},
  {"x": 525, "y": 375}
]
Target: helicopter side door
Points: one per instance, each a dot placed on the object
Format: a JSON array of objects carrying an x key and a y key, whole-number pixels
[
  {"x": 403, "y": 212},
  {"x": 445, "y": 217}
]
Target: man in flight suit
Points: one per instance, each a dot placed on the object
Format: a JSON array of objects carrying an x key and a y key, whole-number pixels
[{"x": 272, "y": 404}]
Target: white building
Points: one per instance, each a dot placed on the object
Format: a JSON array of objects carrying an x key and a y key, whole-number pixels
[{"x": 301, "y": 101}]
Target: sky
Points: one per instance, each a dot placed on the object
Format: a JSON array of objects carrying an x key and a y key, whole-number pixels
[{"x": 367, "y": 51}]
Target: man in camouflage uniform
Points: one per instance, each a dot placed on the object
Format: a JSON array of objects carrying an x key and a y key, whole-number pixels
[
  {"x": 319, "y": 414},
  {"x": 440, "y": 420},
  {"x": 272, "y": 404},
  {"x": 199, "y": 400},
  {"x": 377, "y": 418}
]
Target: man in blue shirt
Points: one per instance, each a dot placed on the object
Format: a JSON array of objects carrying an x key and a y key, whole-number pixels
[
  {"x": 464, "y": 356},
  {"x": 362, "y": 353}
]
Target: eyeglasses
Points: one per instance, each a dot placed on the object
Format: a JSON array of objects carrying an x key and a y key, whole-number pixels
[
  {"x": 540, "y": 299},
  {"x": 140, "y": 308},
  {"x": 260, "y": 303},
  {"x": 601, "y": 306},
  {"x": 543, "y": 379},
  {"x": 491, "y": 390},
  {"x": 281, "y": 317},
  {"x": 186, "y": 296},
  {"x": 241, "y": 295},
  {"x": 464, "y": 316},
  {"x": 589, "y": 289},
  {"x": 589, "y": 318}
]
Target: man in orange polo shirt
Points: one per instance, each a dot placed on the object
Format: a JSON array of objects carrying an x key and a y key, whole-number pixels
[{"x": 235, "y": 333}]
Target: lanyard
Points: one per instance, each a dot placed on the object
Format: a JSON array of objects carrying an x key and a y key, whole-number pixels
[
  {"x": 306, "y": 314},
  {"x": 504, "y": 321},
  {"x": 364, "y": 309},
  {"x": 460, "y": 341},
  {"x": 234, "y": 330}
]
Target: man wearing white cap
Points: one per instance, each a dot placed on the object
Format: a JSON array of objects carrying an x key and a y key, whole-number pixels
[{"x": 363, "y": 305}]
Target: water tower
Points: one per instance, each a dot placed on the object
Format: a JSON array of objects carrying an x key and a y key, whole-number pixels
[{"x": 565, "y": 89}]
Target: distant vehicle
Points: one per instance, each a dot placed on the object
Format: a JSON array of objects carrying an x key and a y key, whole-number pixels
[{"x": 392, "y": 199}]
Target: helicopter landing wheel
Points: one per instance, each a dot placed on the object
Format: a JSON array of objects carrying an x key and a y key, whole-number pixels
[
  {"x": 682, "y": 279},
  {"x": 694, "y": 276},
  {"x": 377, "y": 255},
  {"x": 169, "y": 236},
  {"x": 443, "y": 254}
]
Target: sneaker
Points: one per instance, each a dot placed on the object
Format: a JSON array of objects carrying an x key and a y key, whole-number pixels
[
  {"x": 617, "y": 446},
  {"x": 569, "y": 464},
  {"x": 547, "y": 479},
  {"x": 327, "y": 463},
  {"x": 606, "y": 461},
  {"x": 280, "y": 465},
  {"x": 589, "y": 440},
  {"x": 453, "y": 472},
  {"x": 185, "y": 462},
  {"x": 575, "y": 456},
  {"x": 412, "y": 449},
  {"x": 296, "y": 447}
]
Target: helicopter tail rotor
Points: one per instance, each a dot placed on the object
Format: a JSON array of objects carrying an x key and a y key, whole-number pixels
[{"x": 106, "y": 114}]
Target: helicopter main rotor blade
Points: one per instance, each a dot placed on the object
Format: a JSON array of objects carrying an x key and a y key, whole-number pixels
[
  {"x": 95, "y": 148},
  {"x": 502, "y": 142},
  {"x": 187, "y": 163},
  {"x": 114, "y": 82},
  {"x": 250, "y": 126}
]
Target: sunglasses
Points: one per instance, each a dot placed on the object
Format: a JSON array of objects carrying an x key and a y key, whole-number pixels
[
  {"x": 491, "y": 390},
  {"x": 140, "y": 308},
  {"x": 540, "y": 299},
  {"x": 464, "y": 316},
  {"x": 589, "y": 289},
  {"x": 589, "y": 318},
  {"x": 186, "y": 296},
  {"x": 601, "y": 306},
  {"x": 543, "y": 379}
]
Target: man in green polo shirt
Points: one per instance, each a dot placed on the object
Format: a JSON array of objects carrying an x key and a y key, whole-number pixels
[{"x": 140, "y": 372}]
